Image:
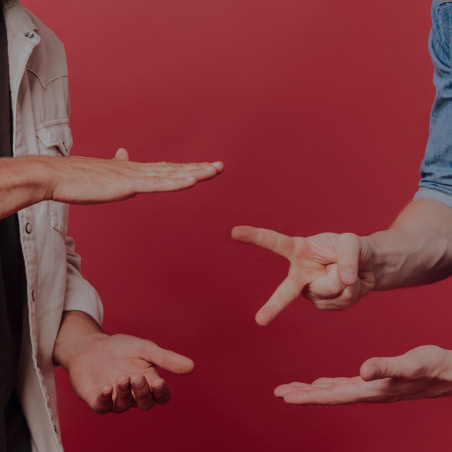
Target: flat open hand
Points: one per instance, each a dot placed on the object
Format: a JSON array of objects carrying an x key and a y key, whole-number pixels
[
  {"x": 115, "y": 373},
  {"x": 86, "y": 180},
  {"x": 331, "y": 270},
  {"x": 423, "y": 372}
]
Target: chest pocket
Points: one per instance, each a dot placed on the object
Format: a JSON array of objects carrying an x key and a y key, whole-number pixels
[{"x": 55, "y": 139}]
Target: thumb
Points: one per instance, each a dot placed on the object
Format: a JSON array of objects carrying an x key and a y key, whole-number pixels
[
  {"x": 348, "y": 249},
  {"x": 121, "y": 154},
  {"x": 396, "y": 367},
  {"x": 166, "y": 359}
]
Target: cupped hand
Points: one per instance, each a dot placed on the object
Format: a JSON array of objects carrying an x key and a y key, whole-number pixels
[
  {"x": 331, "y": 270},
  {"x": 115, "y": 373},
  {"x": 424, "y": 372}
]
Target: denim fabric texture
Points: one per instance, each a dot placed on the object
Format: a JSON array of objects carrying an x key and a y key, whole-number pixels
[{"x": 436, "y": 168}]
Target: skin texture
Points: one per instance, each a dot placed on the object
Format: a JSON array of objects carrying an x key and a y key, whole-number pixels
[
  {"x": 334, "y": 271},
  {"x": 86, "y": 180},
  {"x": 323, "y": 268},
  {"x": 423, "y": 372},
  {"x": 113, "y": 373}
]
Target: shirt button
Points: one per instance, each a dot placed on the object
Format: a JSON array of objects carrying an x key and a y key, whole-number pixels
[
  {"x": 30, "y": 35},
  {"x": 28, "y": 228}
]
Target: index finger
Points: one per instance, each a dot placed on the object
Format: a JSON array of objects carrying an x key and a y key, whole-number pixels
[{"x": 265, "y": 238}]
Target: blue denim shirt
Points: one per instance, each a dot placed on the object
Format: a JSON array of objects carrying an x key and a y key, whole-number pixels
[{"x": 436, "y": 168}]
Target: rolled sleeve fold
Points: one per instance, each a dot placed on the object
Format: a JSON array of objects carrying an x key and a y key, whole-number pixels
[
  {"x": 436, "y": 168},
  {"x": 80, "y": 295}
]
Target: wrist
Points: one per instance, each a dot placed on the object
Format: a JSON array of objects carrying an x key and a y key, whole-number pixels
[
  {"x": 446, "y": 364},
  {"x": 78, "y": 331},
  {"x": 32, "y": 174},
  {"x": 377, "y": 256}
]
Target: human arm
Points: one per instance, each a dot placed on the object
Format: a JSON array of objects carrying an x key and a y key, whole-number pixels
[
  {"x": 113, "y": 373},
  {"x": 84, "y": 180},
  {"x": 424, "y": 372},
  {"x": 335, "y": 270}
]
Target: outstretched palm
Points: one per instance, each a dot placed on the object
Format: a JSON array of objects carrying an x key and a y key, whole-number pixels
[{"x": 423, "y": 372}]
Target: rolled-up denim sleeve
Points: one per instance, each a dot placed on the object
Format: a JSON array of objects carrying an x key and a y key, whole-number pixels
[{"x": 436, "y": 168}]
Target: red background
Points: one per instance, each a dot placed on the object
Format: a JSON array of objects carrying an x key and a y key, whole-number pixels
[{"x": 320, "y": 112}]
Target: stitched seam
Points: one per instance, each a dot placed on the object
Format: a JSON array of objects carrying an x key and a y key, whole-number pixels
[{"x": 45, "y": 83}]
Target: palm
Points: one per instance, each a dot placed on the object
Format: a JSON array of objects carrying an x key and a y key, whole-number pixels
[
  {"x": 107, "y": 359},
  {"x": 107, "y": 362},
  {"x": 420, "y": 373},
  {"x": 87, "y": 180}
]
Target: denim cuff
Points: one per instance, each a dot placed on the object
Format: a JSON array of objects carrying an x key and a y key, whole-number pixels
[{"x": 435, "y": 195}]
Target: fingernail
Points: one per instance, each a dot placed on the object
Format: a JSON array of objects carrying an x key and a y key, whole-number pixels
[
  {"x": 218, "y": 165},
  {"x": 191, "y": 179}
]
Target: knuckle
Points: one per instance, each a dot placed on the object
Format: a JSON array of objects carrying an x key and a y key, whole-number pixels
[
  {"x": 306, "y": 293},
  {"x": 143, "y": 393},
  {"x": 299, "y": 247},
  {"x": 348, "y": 236},
  {"x": 348, "y": 298}
]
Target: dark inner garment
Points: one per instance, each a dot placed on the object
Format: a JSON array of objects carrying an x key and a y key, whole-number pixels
[{"x": 14, "y": 434}]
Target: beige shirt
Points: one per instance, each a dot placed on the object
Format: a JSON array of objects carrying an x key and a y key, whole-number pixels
[{"x": 40, "y": 106}]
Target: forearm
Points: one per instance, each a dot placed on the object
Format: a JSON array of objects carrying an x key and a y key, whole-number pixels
[
  {"x": 84, "y": 180},
  {"x": 77, "y": 329},
  {"x": 23, "y": 181},
  {"x": 416, "y": 249}
]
